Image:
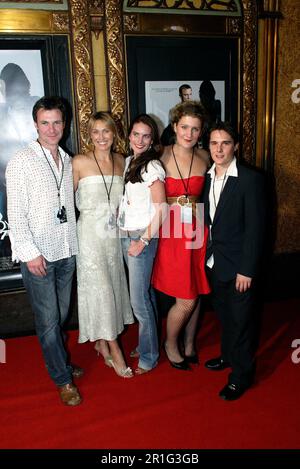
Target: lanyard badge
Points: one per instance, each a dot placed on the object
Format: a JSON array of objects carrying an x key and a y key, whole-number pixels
[
  {"x": 186, "y": 209},
  {"x": 61, "y": 214}
]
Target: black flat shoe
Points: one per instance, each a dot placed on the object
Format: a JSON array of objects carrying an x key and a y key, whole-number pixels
[
  {"x": 183, "y": 365},
  {"x": 193, "y": 359}
]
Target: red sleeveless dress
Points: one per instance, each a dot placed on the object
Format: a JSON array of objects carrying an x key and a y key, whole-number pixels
[{"x": 179, "y": 266}]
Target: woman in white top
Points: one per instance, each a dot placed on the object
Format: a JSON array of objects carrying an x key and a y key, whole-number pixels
[
  {"x": 103, "y": 299},
  {"x": 140, "y": 215}
]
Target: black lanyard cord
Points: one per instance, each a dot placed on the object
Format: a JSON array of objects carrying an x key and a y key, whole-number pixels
[
  {"x": 108, "y": 191},
  {"x": 186, "y": 187},
  {"x": 58, "y": 183}
]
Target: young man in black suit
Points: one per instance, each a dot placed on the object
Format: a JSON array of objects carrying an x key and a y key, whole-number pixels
[{"x": 235, "y": 212}]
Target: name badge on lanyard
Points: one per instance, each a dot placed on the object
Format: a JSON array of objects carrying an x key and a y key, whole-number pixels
[
  {"x": 186, "y": 213},
  {"x": 186, "y": 209},
  {"x": 60, "y": 215}
]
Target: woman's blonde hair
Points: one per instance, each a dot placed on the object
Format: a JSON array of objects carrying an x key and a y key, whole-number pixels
[{"x": 109, "y": 120}]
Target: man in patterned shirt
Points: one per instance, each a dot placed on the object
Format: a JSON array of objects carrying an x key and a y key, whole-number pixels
[{"x": 42, "y": 226}]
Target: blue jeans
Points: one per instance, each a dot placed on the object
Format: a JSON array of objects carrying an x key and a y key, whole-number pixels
[
  {"x": 142, "y": 300},
  {"x": 50, "y": 299}
]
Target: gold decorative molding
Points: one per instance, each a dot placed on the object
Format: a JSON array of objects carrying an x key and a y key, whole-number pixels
[
  {"x": 131, "y": 23},
  {"x": 97, "y": 24},
  {"x": 228, "y": 7},
  {"x": 287, "y": 118},
  {"x": 249, "y": 80},
  {"x": 32, "y": 1},
  {"x": 96, "y": 7},
  {"x": 83, "y": 67},
  {"x": 267, "y": 83},
  {"x": 96, "y": 10},
  {"x": 115, "y": 62},
  {"x": 61, "y": 22},
  {"x": 24, "y": 21},
  {"x": 234, "y": 26}
]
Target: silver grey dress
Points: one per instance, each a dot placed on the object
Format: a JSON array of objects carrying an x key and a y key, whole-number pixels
[{"x": 103, "y": 299}]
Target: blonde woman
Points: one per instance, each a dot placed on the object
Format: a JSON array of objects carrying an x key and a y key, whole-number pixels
[{"x": 103, "y": 300}]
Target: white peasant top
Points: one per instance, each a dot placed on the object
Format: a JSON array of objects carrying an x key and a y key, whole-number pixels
[{"x": 137, "y": 209}]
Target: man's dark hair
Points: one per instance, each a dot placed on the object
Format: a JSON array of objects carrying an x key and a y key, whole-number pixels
[
  {"x": 227, "y": 127},
  {"x": 48, "y": 104},
  {"x": 185, "y": 86}
]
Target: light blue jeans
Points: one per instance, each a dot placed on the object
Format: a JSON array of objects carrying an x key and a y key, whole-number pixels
[
  {"x": 142, "y": 298},
  {"x": 50, "y": 299}
]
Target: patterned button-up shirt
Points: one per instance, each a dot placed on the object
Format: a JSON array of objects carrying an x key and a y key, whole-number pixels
[{"x": 33, "y": 204}]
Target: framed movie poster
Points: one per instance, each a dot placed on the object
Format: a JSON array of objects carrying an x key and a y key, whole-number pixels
[
  {"x": 161, "y": 96},
  {"x": 158, "y": 65},
  {"x": 30, "y": 67}
]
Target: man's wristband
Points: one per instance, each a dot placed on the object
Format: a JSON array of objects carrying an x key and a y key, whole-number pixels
[{"x": 145, "y": 241}]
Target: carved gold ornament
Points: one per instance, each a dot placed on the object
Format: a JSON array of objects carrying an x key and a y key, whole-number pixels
[{"x": 83, "y": 71}]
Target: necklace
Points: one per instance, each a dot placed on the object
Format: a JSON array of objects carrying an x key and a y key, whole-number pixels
[
  {"x": 108, "y": 191},
  {"x": 57, "y": 182},
  {"x": 186, "y": 186},
  {"x": 111, "y": 224}
]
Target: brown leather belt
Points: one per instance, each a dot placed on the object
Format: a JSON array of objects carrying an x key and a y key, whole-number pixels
[{"x": 183, "y": 200}]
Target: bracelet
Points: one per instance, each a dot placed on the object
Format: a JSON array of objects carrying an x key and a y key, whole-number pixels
[{"x": 145, "y": 241}]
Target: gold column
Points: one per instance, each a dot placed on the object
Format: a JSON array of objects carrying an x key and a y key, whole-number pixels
[
  {"x": 83, "y": 67},
  {"x": 116, "y": 65},
  {"x": 267, "y": 82}
]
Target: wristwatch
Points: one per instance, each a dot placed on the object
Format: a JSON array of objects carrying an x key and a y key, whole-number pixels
[{"x": 145, "y": 241}]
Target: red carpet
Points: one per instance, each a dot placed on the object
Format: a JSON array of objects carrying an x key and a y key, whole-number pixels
[{"x": 166, "y": 408}]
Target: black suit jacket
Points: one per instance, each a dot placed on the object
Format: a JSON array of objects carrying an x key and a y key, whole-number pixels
[{"x": 237, "y": 232}]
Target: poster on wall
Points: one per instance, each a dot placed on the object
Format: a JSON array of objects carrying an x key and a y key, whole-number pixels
[
  {"x": 21, "y": 85},
  {"x": 161, "y": 96}
]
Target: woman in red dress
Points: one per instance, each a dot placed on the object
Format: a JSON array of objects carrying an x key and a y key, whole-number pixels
[{"x": 179, "y": 268}]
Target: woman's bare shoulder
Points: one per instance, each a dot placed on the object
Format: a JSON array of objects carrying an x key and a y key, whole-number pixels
[
  {"x": 76, "y": 160},
  {"x": 166, "y": 154},
  {"x": 119, "y": 156},
  {"x": 80, "y": 158},
  {"x": 119, "y": 159},
  {"x": 203, "y": 155}
]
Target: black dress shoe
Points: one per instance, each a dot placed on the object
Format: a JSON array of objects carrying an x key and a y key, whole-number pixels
[
  {"x": 216, "y": 364},
  {"x": 183, "y": 365},
  {"x": 193, "y": 359},
  {"x": 231, "y": 392}
]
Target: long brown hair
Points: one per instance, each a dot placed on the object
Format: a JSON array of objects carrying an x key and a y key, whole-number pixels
[{"x": 137, "y": 165}]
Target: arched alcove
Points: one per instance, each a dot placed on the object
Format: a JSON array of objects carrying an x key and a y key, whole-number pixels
[{"x": 232, "y": 20}]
